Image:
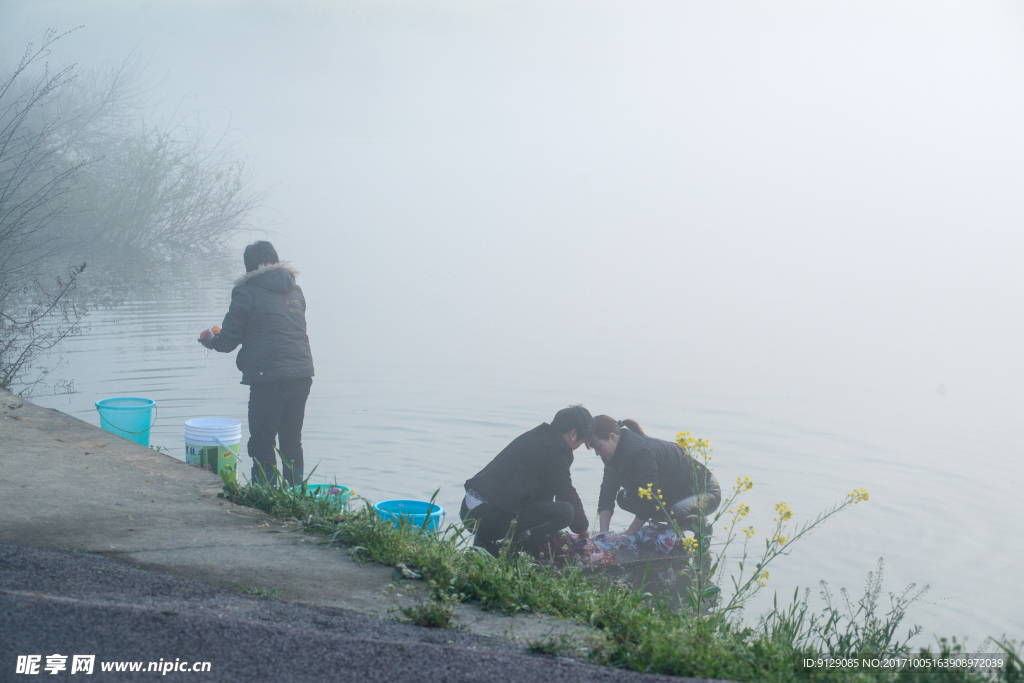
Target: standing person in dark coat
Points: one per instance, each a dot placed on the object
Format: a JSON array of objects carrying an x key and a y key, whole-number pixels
[
  {"x": 633, "y": 460},
  {"x": 268, "y": 318},
  {"x": 529, "y": 481}
]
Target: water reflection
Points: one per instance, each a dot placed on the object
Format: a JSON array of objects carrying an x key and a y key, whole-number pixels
[{"x": 667, "y": 578}]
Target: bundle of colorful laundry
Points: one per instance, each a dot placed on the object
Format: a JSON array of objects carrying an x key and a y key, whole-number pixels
[
  {"x": 566, "y": 547},
  {"x": 660, "y": 540},
  {"x": 596, "y": 555},
  {"x": 562, "y": 548}
]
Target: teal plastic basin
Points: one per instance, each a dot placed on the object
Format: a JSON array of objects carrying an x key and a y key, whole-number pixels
[{"x": 415, "y": 512}]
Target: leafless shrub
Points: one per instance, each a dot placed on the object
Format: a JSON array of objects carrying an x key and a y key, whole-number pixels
[
  {"x": 165, "y": 188},
  {"x": 37, "y": 184},
  {"x": 37, "y": 179},
  {"x": 42, "y": 315},
  {"x": 148, "y": 186},
  {"x": 85, "y": 172}
]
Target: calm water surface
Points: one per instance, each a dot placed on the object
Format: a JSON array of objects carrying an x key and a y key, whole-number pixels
[{"x": 398, "y": 432}]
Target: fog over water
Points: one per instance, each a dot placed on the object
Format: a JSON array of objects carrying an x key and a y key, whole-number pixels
[{"x": 795, "y": 230}]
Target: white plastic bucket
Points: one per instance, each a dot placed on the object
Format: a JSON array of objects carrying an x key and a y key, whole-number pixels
[{"x": 212, "y": 443}]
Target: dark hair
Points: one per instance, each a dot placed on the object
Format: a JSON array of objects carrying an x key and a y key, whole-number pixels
[
  {"x": 574, "y": 417},
  {"x": 605, "y": 426},
  {"x": 259, "y": 254}
]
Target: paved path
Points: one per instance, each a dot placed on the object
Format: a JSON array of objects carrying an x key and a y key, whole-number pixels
[{"x": 67, "y": 603}]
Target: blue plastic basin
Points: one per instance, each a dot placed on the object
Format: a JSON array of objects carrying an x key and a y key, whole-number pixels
[{"x": 414, "y": 512}]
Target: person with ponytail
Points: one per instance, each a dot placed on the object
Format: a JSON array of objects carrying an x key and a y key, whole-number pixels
[{"x": 634, "y": 461}]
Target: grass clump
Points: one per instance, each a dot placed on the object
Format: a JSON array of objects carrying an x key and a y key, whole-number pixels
[
  {"x": 259, "y": 591},
  {"x": 558, "y": 645},
  {"x": 435, "y": 612},
  {"x": 635, "y": 630}
]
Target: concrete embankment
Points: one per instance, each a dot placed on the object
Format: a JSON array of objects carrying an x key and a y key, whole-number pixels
[
  {"x": 65, "y": 484},
  {"x": 112, "y": 549}
]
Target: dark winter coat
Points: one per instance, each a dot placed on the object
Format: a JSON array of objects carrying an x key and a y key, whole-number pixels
[
  {"x": 534, "y": 468},
  {"x": 640, "y": 461},
  {"x": 268, "y": 318}
]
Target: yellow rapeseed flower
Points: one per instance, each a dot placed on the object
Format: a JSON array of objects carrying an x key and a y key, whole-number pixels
[
  {"x": 784, "y": 512},
  {"x": 858, "y": 495}
]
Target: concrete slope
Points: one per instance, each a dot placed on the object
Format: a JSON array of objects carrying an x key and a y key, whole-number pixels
[{"x": 65, "y": 484}]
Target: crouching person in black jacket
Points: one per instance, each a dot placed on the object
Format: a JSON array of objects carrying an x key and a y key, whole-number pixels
[
  {"x": 632, "y": 461},
  {"x": 529, "y": 482},
  {"x": 268, "y": 318}
]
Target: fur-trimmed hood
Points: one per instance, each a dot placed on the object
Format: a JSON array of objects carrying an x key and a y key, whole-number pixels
[
  {"x": 269, "y": 268},
  {"x": 267, "y": 318}
]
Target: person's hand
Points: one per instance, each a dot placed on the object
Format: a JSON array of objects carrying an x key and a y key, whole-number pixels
[
  {"x": 585, "y": 535},
  {"x": 206, "y": 338}
]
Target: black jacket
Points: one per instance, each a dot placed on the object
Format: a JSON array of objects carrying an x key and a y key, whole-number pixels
[
  {"x": 534, "y": 468},
  {"x": 268, "y": 318},
  {"x": 640, "y": 461}
]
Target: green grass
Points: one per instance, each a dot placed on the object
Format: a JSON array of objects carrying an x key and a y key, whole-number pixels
[
  {"x": 633, "y": 630},
  {"x": 560, "y": 645},
  {"x": 433, "y": 613},
  {"x": 259, "y": 591}
]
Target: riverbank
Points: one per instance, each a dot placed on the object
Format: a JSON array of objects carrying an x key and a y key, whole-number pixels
[{"x": 67, "y": 485}]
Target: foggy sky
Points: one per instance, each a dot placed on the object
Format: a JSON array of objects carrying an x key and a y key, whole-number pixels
[{"x": 796, "y": 198}]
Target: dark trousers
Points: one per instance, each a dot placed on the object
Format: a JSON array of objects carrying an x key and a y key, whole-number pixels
[
  {"x": 493, "y": 523},
  {"x": 276, "y": 411},
  {"x": 686, "y": 512}
]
